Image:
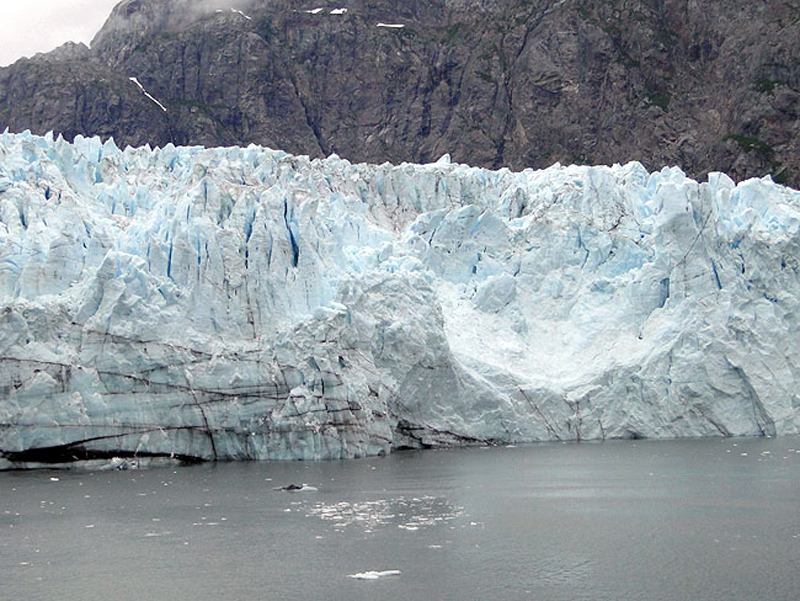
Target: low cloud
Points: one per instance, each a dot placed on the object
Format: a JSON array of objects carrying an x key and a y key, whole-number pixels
[{"x": 31, "y": 26}]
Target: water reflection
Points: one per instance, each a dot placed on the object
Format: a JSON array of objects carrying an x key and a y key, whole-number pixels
[
  {"x": 673, "y": 520},
  {"x": 407, "y": 514}
]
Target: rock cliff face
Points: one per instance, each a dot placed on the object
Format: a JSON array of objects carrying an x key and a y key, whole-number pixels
[{"x": 703, "y": 84}]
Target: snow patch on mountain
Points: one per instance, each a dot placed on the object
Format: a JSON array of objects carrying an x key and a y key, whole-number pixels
[{"x": 146, "y": 93}]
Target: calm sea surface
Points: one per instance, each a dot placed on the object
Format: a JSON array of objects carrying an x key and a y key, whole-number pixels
[{"x": 688, "y": 520}]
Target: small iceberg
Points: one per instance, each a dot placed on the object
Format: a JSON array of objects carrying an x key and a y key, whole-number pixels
[
  {"x": 372, "y": 575},
  {"x": 297, "y": 488}
]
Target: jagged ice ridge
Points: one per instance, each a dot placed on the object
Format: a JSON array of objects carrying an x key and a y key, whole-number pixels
[{"x": 243, "y": 303}]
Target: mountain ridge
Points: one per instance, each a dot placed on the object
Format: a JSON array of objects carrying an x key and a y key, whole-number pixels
[{"x": 708, "y": 86}]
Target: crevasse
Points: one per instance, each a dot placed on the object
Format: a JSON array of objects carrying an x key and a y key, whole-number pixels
[{"x": 243, "y": 303}]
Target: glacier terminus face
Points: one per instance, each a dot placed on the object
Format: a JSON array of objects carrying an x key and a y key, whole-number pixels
[{"x": 243, "y": 303}]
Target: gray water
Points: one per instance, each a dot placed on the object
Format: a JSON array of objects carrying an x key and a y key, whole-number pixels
[{"x": 708, "y": 519}]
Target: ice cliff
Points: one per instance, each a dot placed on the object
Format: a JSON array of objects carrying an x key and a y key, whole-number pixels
[{"x": 243, "y": 303}]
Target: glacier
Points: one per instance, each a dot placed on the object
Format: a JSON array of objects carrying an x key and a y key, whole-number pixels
[{"x": 247, "y": 304}]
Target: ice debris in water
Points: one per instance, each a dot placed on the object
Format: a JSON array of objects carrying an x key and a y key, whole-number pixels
[
  {"x": 244, "y": 303},
  {"x": 374, "y": 575},
  {"x": 408, "y": 514}
]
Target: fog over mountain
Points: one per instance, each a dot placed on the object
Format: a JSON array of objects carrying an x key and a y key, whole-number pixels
[{"x": 41, "y": 25}]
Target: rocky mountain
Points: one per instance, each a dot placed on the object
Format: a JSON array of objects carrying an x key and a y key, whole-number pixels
[{"x": 705, "y": 85}]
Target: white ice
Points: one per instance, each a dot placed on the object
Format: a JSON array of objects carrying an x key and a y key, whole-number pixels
[
  {"x": 141, "y": 87},
  {"x": 244, "y": 303},
  {"x": 374, "y": 575},
  {"x": 234, "y": 10}
]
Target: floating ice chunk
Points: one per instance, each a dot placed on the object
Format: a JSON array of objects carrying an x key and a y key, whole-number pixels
[
  {"x": 298, "y": 488},
  {"x": 338, "y": 11},
  {"x": 315, "y": 11},
  {"x": 374, "y": 575}
]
